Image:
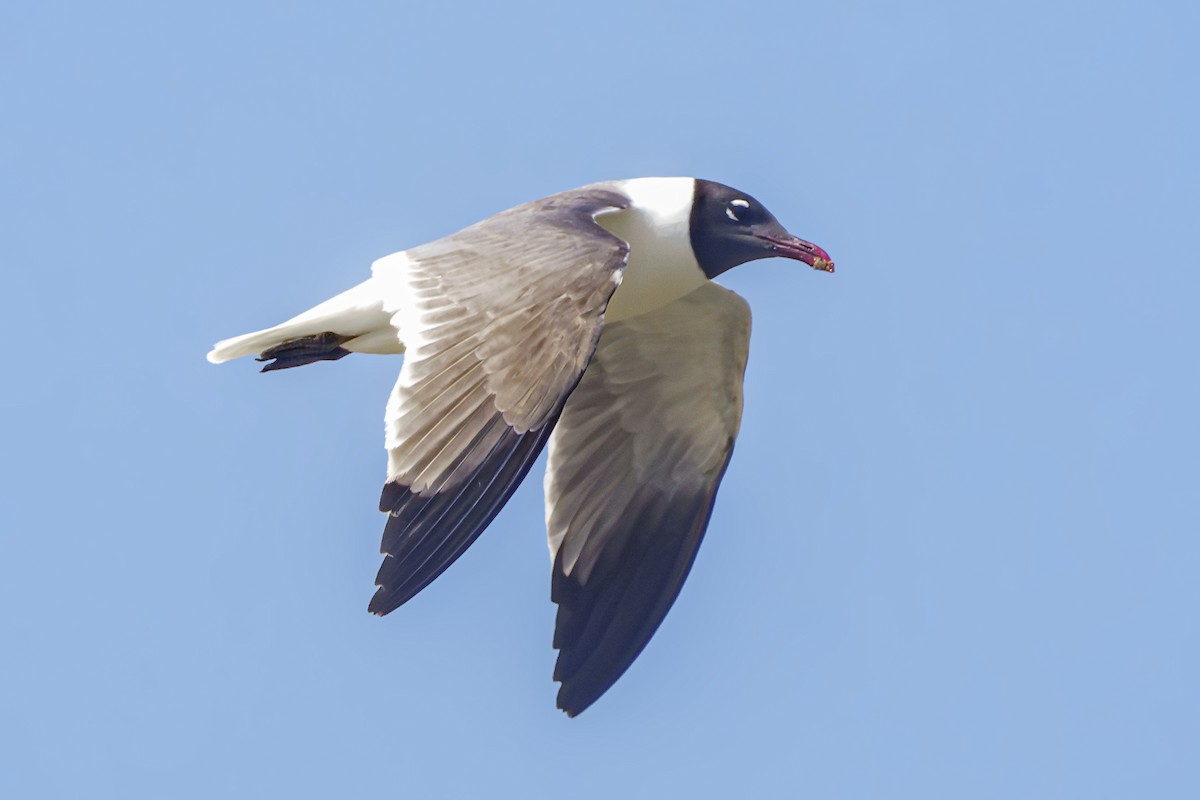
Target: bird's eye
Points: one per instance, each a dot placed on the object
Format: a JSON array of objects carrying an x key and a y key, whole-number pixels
[{"x": 731, "y": 210}]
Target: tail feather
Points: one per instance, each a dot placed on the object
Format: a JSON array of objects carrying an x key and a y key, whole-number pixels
[{"x": 353, "y": 313}]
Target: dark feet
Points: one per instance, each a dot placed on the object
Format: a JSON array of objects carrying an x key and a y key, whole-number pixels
[{"x": 305, "y": 350}]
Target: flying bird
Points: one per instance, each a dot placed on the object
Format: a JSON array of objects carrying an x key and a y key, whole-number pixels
[{"x": 587, "y": 320}]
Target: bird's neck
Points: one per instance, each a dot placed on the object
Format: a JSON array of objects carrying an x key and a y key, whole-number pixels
[{"x": 662, "y": 266}]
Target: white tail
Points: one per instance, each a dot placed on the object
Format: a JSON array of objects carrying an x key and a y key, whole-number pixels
[{"x": 357, "y": 312}]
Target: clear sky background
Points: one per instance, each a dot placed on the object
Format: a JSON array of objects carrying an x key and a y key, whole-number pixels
[{"x": 955, "y": 554}]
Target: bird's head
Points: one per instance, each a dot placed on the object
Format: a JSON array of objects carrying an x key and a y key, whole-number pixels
[{"x": 729, "y": 228}]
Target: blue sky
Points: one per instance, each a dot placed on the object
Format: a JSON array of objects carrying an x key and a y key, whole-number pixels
[{"x": 955, "y": 552}]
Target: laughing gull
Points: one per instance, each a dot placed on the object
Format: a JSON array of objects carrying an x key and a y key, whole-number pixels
[{"x": 588, "y": 320}]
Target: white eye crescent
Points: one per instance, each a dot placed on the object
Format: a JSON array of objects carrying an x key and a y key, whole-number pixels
[{"x": 739, "y": 203}]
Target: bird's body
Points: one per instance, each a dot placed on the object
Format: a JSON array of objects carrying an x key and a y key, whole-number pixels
[{"x": 586, "y": 319}]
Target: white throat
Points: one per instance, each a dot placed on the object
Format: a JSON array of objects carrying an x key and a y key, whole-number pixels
[{"x": 662, "y": 266}]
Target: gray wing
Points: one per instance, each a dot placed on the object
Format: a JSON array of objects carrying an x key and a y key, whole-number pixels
[
  {"x": 499, "y": 321},
  {"x": 634, "y": 466}
]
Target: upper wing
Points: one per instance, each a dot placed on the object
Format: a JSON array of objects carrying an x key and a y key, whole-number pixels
[
  {"x": 635, "y": 462},
  {"x": 499, "y": 321}
]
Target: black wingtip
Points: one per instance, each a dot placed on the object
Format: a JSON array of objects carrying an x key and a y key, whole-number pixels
[
  {"x": 577, "y": 694},
  {"x": 572, "y": 708},
  {"x": 604, "y": 623},
  {"x": 427, "y": 531},
  {"x": 376, "y": 605}
]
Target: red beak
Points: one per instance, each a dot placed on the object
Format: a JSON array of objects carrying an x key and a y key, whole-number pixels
[{"x": 790, "y": 246}]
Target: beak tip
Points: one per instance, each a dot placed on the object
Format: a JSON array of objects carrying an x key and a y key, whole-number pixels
[{"x": 790, "y": 246}]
